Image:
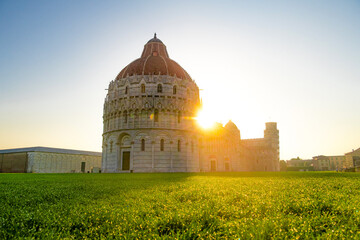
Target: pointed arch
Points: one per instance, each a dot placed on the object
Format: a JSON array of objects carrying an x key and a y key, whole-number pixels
[
  {"x": 125, "y": 116},
  {"x": 156, "y": 115},
  {"x": 143, "y": 144},
  {"x": 162, "y": 143},
  {"x": 179, "y": 145},
  {"x": 142, "y": 88},
  {"x": 159, "y": 88}
]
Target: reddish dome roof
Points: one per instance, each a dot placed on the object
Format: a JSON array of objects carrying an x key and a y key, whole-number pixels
[{"x": 154, "y": 60}]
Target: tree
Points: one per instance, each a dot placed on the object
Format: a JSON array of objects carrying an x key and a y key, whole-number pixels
[{"x": 283, "y": 166}]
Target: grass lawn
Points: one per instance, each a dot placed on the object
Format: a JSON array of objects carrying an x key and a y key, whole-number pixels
[{"x": 304, "y": 205}]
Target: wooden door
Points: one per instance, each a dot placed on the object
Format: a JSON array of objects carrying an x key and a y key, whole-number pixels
[
  {"x": 126, "y": 160},
  {"x": 83, "y": 167},
  {"x": 213, "y": 166}
]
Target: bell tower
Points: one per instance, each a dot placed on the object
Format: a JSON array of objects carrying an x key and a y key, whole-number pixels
[{"x": 271, "y": 136}]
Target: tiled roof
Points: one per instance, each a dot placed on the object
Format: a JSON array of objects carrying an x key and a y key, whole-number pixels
[{"x": 154, "y": 60}]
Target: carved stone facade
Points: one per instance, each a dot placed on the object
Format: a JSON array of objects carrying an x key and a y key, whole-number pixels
[{"x": 149, "y": 122}]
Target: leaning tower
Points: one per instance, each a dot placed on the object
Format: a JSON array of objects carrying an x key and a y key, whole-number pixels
[
  {"x": 271, "y": 136},
  {"x": 149, "y": 114}
]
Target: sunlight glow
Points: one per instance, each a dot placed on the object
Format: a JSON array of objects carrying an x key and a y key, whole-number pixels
[{"x": 205, "y": 119}]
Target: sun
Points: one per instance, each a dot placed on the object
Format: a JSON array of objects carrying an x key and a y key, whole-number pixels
[{"x": 205, "y": 119}]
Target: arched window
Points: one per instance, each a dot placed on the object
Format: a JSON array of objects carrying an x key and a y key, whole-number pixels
[
  {"x": 142, "y": 88},
  {"x": 156, "y": 115},
  {"x": 136, "y": 116},
  {"x": 142, "y": 144},
  {"x": 159, "y": 88},
  {"x": 162, "y": 145},
  {"x": 126, "y": 90},
  {"x": 179, "y": 117},
  {"x": 179, "y": 145},
  {"x": 174, "y": 90},
  {"x": 125, "y": 116},
  {"x": 111, "y": 146}
]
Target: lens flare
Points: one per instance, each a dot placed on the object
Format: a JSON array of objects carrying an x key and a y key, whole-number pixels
[{"x": 205, "y": 119}]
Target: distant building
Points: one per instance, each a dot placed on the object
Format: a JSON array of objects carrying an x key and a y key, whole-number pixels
[
  {"x": 219, "y": 149},
  {"x": 222, "y": 149},
  {"x": 262, "y": 154},
  {"x": 329, "y": 163},
  {"x": 297, "y": 164},
  {"x": 48, "y": 160},
  {"x": 321, "y": 163},
  {"x": 150, "y": 126},
  {"x": 336, "y": 163},
  {"x": 352, "y": 159}
]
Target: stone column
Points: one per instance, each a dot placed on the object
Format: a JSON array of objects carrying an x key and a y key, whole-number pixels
[
  {"x": 171, "y": 160},
  {"x": 132, "y": 156},
  {"x": 134, "y": 119},
  {"x": 153, "y": 118},
  {"x": 104, "y": 160},
  {"x": 152, "y": 155},
  {"x": 118, "y": 157},
  {"x": 127, "y": 119},
  {"x": 121, "y": 120}
]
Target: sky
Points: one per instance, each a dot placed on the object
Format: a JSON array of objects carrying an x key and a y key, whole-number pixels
[{"x": 296, "y": 63}]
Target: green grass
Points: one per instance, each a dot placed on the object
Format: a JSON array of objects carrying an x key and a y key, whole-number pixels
[{"x": 299, "y": 205}]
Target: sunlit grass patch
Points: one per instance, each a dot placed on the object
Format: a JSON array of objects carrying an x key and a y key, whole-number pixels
[{"x": 181, "y": 205}]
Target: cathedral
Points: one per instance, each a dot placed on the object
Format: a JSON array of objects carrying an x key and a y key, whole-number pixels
[{"x": 150, "y": 125}]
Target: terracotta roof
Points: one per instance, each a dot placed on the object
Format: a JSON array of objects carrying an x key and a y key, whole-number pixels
[{"x": 154, "y": 60}]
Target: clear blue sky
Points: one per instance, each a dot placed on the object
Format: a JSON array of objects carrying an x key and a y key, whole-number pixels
[{"x": 293, "y": 62}]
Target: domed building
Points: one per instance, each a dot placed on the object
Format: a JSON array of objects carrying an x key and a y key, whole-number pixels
[
  {"x": 149, "y": 123},
  {"x": 149, "y": 116}
]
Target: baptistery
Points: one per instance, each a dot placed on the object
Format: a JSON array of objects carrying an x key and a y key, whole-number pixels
[{"x": 148, "y": 118}]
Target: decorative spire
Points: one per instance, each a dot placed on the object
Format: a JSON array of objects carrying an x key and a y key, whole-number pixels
[{"x": 154, "y": 39}]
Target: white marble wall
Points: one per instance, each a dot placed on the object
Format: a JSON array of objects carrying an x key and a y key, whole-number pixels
[
  {"x": 131, "y": 115},
  {"x": 42, "y": 162},
  {"x": 152, "y": 159}
]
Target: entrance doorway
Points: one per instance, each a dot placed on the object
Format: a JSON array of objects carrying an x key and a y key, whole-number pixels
[
  {"x": 126, "y": 160},
  {"x": 83, "y": 167},
  {"x": 213, "y": 166},
  {"x": 227, "y": 166}
]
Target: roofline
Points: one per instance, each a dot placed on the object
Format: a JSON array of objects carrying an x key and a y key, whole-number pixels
[
  {"x": 50, "y": 150},
  {"x": 352, "y": 151}
]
